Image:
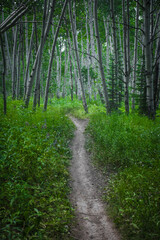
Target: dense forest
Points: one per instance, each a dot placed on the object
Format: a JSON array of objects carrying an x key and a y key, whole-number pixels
[
  {"x": 96, "y": 59},
  {"x": 82, "y": 49}
]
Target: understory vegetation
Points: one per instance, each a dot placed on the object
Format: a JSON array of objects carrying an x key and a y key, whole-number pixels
[
  {"x": 34, "y": 187},
  {"x": 34, "y": 199},
  {"x": 129, "y": 148}
]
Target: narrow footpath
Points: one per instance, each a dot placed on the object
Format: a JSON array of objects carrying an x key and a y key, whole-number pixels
[{"x": 91, "y": 218}]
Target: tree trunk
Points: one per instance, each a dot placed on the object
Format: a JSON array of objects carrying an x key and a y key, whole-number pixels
[
  {"x": 77, "y": 58},
  {"x": 106, "y": 28},
  {"x": 105, "y": 91},
  {"x": 37, "y": 84},
  {"x": 157, "y": 75},
  {"x": 58, "y": 75},
  {"x": 135, "y": 56},
  {"x": 65, "y": 72},
  {"x": 29, "y": 57},
  {"x": 126, "y": 53},
  {"x": 3, "y": 77},
  {"x": 148, "y": 57},
  {"x": 27, "y": 48},
  {"x": 91, "y": 20},
  {"x": 115, "y": 83},
  {"x": 15, "y": 32},
  {"x": 52, "y": 55},
  {"x": 70, "y": 60},
  {"x": 88, "y": 52},
  {"x": 19, "y": 63},
  {"x": 34, "y": 69},
  {"x": 7, "y": 47}
]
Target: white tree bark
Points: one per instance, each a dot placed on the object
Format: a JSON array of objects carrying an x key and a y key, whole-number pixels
[
  {"x": 3, "y": 77},
  {"x": 37, "y": 83},
  {"x": 148, "y": 58},
  {"x": 77, "y": 58},
  {"x": 9, "y": 65},
  {"x": 15, "y": 32},
  {"x": 41, "y": 45},
  {"x": 105, "y": 91},
  {"x": 29, "y": 58},
  {"x": 88, "y": 58},
  {"x": 135, "y": 56},
  {"x": 27, "y": 47},
  {"x": 52, "y": 55},
  {"x": 114, "y": 31},
  {"x": 126, "y": 52}
]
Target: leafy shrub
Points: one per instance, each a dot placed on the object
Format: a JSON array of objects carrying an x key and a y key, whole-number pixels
[
  {"x": 131, "y": 146},
  {"x": 33, "y": 174},
  {"x": 134, "y": 200},
  {"x": 123, "y": 140}
]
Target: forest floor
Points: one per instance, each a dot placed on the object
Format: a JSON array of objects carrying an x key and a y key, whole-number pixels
[{"x": 91, "y": 221}]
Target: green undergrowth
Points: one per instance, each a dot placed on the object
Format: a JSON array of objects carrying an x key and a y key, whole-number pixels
[
  {"x": 34, "y": 159},
  {"x": 129, "y": 146},
  {"x": 75, "y": 107}
]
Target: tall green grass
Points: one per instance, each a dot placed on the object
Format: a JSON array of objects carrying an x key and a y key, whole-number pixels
[
  {"x": 130, "y": 145},
  {"x": 34, "y": 150}
]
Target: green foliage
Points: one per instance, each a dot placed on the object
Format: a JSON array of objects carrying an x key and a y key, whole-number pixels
[
  {"x": 125, "y": 140},
  {"x": 131, "y": 146},
  {"x": 33, "y": 174},
  {"x": 134, "y": 200}
]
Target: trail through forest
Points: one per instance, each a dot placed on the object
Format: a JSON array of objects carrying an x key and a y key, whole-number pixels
[{"x": 91, "y": 218}]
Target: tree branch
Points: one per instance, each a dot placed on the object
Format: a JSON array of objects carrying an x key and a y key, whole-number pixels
[{"x": 86, "y": 54}]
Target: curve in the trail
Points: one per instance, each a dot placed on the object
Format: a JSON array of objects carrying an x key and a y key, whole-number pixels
[{"x": 89, "y": 209}]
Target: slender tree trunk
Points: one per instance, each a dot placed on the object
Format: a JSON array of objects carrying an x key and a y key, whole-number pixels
[
  {"x": 105, "y": 91},
  {"x": 106, "y": 27},
  {"x": 29, "y": 57},
  {"x": 70, "y": 60},
  {"x": 82, "y": 56},
  {"x": 135, "y": 56},
  {"x": 14, "y": 63},
  {"x": 75, "y": 31},
  {"x": 126, "y": 54},
  {"x": 58, "y": 75},
  {"x": 7, "y": 47},
  {"x": 37, "y": 84},
  {"x": 92, "y": 43},
  {"x": 91, "y": 21},
  {"x": 34, "y": 69},
  {"x": 12, "y": 19},
  {"x": 88, "y": 52},
  {"x": 19, "y": 63},
  {"x": 77, "y": 58},
  {"x": 60, "y": 69},
  {"x": 3, "y": 77},
  {"x": 36, "y": 33},
  {"x": 65, "y": 72},
  {"x": 156, "y": 76},
  {"x": 52, "y": 55},
  {"x": 27, "y": 47},
  {"x": 148, "y": 58},
  {"x": 115, "y": 52}
]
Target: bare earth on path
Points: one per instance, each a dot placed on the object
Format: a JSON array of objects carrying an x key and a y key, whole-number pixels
[{"x": 91, "y": 218}]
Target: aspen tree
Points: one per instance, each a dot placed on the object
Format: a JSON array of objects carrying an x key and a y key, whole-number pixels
[
  {"x": 15, "y": 32},
  {"x": 148, "y": 58},
  {"x": 3, "y": 76},
  {"x": 126, "y": 51},
  {"x": 105, "y": 90},
  {"x": 77, "y": 58},
  {"x": 52, "y": 55},
  {"x": 29, "y": 57},
  {"x": 41, "y": 45},
  {"x": 135, "y": 55}
]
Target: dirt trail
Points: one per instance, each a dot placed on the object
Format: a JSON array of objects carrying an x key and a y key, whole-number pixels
[{"x": 90, "y": 210}]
